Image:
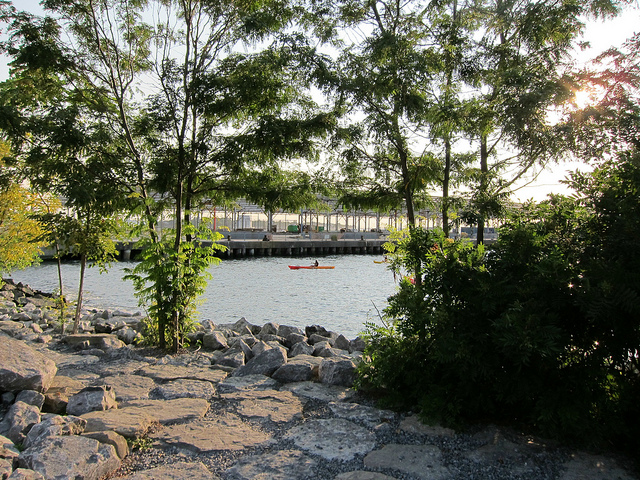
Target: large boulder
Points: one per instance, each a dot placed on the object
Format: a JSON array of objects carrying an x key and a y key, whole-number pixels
[
  {"x": 23, "y": 368},
  {"x": 71, "y": 457},
  {"x": 91, "y": 399},
  {"x": 264, "y": 364},
  {"x": 337, "y": 371},
  {"x": 54, "y": 426},
  {"x": 17, "y": 422}
]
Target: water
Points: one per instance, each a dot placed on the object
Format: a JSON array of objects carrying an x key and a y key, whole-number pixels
[{"x": 259, "y": 289}]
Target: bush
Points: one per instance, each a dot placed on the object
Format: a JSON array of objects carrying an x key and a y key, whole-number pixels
[{"x": 542, "y": 329}]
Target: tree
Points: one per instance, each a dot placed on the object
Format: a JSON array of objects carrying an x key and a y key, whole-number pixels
[
  {"x": 523, "y": 52},
  {"x": 209, "y": 115}
]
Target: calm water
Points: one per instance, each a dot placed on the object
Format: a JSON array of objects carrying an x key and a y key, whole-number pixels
[{"x": 259, "y": 289}]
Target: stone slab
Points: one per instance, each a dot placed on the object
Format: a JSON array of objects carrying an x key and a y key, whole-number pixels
[
  {"x": 166, "y": 373},
  {"x": 413, "y": 424},
  {"x": 273, "y": 405},
  {"x": 131, "y": 422},
  {"x": 422, "y": 461},
  {"x": 362, "y": 414},
  {"x": 247, "y": 382},
  {"x": 175, "y": 471},
  {"x": 280, "y": 465},
  {"x": 226, "y": 432},
  {"x": 171, "y": 411},
  {"x": 129, "y": 387},
  {"x": 320, "y": 391},
  {"x": 184, "y": 388},
  {"x": 332, "y": 439}
]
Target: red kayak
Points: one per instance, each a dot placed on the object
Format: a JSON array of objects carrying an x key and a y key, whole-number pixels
[{"x": 311, "y": 267}]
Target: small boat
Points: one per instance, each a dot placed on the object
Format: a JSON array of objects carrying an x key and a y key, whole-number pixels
[
  {"x": 381, "y": 261},
  {"x": 311, "y": 267}
]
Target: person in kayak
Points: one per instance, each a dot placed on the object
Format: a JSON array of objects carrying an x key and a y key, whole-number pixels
[{"x": 315, "y": 264}]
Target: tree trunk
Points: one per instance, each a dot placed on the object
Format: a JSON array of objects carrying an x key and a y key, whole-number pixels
[
  {"x": 484, "y": 173},
  {"x": 445, "y": 186},
  {"x": 76, "y": 320}
]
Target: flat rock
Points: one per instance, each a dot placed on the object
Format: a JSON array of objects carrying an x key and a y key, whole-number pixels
[
  {"x": 413, "y": 424},
  {"x": 362, "y": 475},
  {"x": 179, "y": 410},
  {"x": 247, "y": 382},
  {"x": 129, "y": 387},
  {"x": 332, "y": 439},
  {"x": 71, "y": 457},
  {"x": 166, "y": 373},
  {"x": 11, "y": 328},
  {"x": 111, "y": 438},
  {"x": 175, "y": 471},
  {"x": 103, "y": 341},
  {"x": 23, "y": 368},
  {"x": 25, "y": 474},
  {"x": 130, "y": 422},
  {"x": 280, "y": 465},
  {"x": 272, "y": 405},
  {"x": 320, "y": 391},
  {"x": 593, "y": 467},
  {"x": 226, "y": 432},
  {"x": 362, "y": 414},
  {"x": 423, "y": 461},
  {"x": 184, "y": 388}
]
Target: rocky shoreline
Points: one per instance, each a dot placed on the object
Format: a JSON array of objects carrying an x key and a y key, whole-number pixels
[{"x": 252, "y": 402}]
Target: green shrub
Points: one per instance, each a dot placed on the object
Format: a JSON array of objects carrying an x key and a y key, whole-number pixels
[{"x": 542, "y": 329}]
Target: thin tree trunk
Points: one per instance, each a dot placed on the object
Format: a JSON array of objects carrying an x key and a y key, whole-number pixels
[
  {"x": 445, "y": 186},
  {"x": 76, "y": 320},
  {"x": 484, "y": 172}
]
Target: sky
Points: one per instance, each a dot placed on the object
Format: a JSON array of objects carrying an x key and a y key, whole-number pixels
[{"x": 602, "y": 35}]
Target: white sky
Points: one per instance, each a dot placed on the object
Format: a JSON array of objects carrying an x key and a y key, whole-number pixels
[{"x": 601, "y": 36}]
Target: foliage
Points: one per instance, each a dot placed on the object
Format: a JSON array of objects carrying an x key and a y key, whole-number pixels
[
  {"x": 169, "y": 282},
  {"x": 19, "y": 232},
  {"x": 542, "y": 329}
]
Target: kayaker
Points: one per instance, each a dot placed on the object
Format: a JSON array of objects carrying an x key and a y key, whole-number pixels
[{"x": 316, "y": 263}]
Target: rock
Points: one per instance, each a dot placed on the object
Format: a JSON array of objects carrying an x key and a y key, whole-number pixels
[
  {"x": 362, "y": 475},
  {"x": 316, "y": 338},
  {"x": 319, "y": 391},
  {"x": 280, "y": 465},
  {"x": 128, "y": 335},
  {"x": 300, "y": 369},
  {"x": 23, "y": 368},
  {"x": 92, "y": 399},
  {"x": 17, "y": 422},
  {"x": 57, "y": 396},
  {"x": 129, "y": 387},
  {"x": 315, "y": 329},
  {"x": 247, "y": 382},
  {"x": 413, "y": 424},
  {"x": 165, "y": 373},
  {"x": 25, "y": 474},
  {"x": 214, "y": 341},
  {"x": 232, "y": 358},
  {"x": 342, "y": 343},
  {"x": 362, "y": 414},
  {"x": 259, "y": 347},
  {"x": 332, "y": 439},
  {"x": 71, "y": 457},
  {"x": 130, "y": 422},
  {"x": 54, "y": 426},
  {"x": 272, "y": 405},
  {"x": 301, "y": 348},
  {"x": 423, "y": 461},
  {"x": 270, "y": 328},
  {"x": 224, "y": 432},
  {"x": 31, "y": 397},
  {"x": 337, "y": 371},
  {"x": 242, "y": 325},
  {"x": 166, "y": 412},
  {"x": 264, "y": 364},
  {"x": 104, "y": 341},
  {"x": 357, "y": 345},
  {"x": 111, "y": 438},
  {"x": 175, "y": 471},
  {"x": 293, "y": 338},
  {"x": 184, "y": 388}
]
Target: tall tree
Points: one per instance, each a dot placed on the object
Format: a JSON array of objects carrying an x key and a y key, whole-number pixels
[{"x": 173, "y": 113}]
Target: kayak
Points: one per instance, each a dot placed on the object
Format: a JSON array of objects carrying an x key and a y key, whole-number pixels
[
  {"x": 311, "y": 267},
  {"x": 380, "y": 261}
]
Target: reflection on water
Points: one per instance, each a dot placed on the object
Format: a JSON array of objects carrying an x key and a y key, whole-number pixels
[{"x": 259, "y": 289}]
